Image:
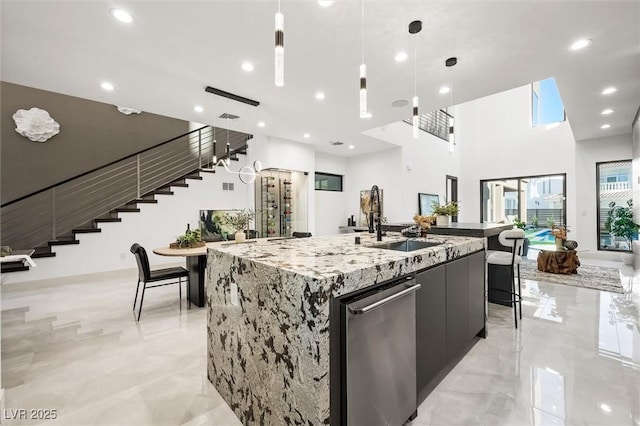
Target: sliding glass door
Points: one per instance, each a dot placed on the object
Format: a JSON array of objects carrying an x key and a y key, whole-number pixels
[{"x": 537, "y": 201}]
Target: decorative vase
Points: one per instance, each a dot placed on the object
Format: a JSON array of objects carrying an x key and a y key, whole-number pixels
[
  {"x": 442, "y": 220},
  {"x": 570, "y": 244},
  {"x": 240, "y": 237},
  {"x": 559, "y": 244}
]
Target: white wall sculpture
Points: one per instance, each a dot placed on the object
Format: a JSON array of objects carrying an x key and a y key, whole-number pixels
[
  {"x": 36, "y": 124},
  {"x": 128, "y": 111}
]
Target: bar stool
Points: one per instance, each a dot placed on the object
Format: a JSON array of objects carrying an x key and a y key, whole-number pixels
[{"x": 514, "y": 239}]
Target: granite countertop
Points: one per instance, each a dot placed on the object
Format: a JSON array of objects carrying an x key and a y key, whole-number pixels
[{"x": 326, "y": 257}]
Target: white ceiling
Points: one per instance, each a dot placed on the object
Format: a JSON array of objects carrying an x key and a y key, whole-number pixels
[{"x": 162, "y": 62}]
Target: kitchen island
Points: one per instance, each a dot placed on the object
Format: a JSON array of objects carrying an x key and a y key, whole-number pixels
[{"x": 268, "y": 316}]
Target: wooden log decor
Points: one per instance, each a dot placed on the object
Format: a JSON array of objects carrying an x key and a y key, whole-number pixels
[{"x": 558, "y": 262}]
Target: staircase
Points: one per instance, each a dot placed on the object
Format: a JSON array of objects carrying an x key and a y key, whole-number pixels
[{"x": 55, "y": 215}]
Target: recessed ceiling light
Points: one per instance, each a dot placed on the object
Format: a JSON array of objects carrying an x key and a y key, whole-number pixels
[
  {"x": 607, "y": 111},
  {"x": 261, "y": 124},
  {"x": 609, "y": 90},
  {"x": 107, "y": 86},
  {"x": 320, "y": 96},
  {"x": 122, "y": 16},
  {"x": 351, "y": 147},
  {"x": 605, "y": 126},
  {"x": 198, "y": 108},
  {"x": 444, "y": 89},
  {"x": 247, "y": 66},
  {"x": 401, "y": 56},
  {"x": 307, "y": 135},
  {"x": 580, "y": 44},
  {"x": 325, "y": 3},
  {"x": 605, "y": 407},
  {"x": 400, "y": 103}
]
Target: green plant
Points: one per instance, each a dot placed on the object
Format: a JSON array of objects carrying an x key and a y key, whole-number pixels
[
  {"x": 518, "y": 223},
  {"x": 551, "y": 223},
  {"x": 189, "y": 237},
  {"x": 448, "y": 209},
  {"x": 240, "y": 219},
  {"x": 534, "y": 221},
  {"x": 620, "y": 222}
]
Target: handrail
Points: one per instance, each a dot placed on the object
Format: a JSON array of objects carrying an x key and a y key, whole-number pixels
[{"x": 8, "y": 203}]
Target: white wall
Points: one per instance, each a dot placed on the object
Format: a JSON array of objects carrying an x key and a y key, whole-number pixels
[
  {"x": 496, "y": 140},
  {"x": 425, "y": 163},
  {"x": 381, "y": 168},
  {"x": 588, "y": 153},
  {"x": 155, "y": 226},
  {"x": 331, "y": 206}
]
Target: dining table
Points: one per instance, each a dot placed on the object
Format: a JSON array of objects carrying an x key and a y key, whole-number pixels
[{"x": 196, "y": 264}]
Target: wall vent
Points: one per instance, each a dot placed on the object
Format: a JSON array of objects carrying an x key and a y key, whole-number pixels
[
  {"x": 336, "y": 143},
  {"x": 227, "y": 186},
  {"x": 228, "y": 116}
]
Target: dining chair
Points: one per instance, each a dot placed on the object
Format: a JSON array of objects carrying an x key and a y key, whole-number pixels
[
  {"x": 146, "y": 275},
  {"x": 514, "y": 239}
]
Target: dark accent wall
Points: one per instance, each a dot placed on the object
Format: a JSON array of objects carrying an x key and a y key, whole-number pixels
[{"x": 91, "y": 134}]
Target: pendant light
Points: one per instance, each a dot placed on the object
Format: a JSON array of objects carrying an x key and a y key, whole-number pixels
[
  {"x": 279, "y": 50},
  {"x": 363, "y": 73},
  {"x": 228, "y": 149},
  {"x": 414, "y": 28},
  {"x": 450, "y": 63}
]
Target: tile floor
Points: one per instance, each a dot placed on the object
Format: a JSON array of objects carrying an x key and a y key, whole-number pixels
[{"x": 73, "y": 346}]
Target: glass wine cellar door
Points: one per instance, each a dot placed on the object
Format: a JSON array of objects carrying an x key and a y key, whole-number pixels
[{"x": 281, "y": 203}]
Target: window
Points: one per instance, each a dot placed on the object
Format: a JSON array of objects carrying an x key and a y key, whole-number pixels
[
  {"x": 538, "y": 201},
  {"x": 328, "y": 182},
  {"x": 614, "y": 186},
  {"x": 546, "y": 105}
]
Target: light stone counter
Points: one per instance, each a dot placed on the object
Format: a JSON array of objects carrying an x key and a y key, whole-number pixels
[{"x": 268, "y": 315}]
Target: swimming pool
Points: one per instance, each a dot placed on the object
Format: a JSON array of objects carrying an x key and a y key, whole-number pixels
[{"x": 544, "y": 235}]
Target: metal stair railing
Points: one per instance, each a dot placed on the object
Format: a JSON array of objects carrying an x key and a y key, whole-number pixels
[
  {"x": 53, "y": 212},
  {"x": 434, "y": 122}
]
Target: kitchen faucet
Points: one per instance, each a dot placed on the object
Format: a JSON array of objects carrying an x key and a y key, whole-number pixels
[{"x": 375, "y": 191}]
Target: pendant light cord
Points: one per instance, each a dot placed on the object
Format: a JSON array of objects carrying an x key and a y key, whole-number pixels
[
  {"x": 415, "y": 66},
  {"x": 362, "y": 27}
]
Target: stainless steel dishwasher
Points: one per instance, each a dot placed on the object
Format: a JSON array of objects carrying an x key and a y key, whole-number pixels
[{"x": 380, "y": 355}]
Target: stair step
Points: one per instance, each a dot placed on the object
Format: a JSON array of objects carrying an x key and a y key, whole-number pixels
[
  {"x": 86, "y": 230},
  {"x": 163, "y": 192},
  {"x": 207, "y": 171},
  {"x": 193, "y": 177},
  {"x": 13, "y": 267},
  {"x": 42, "y": 252},
  {"x": 179, "y": 184},
  {"x": 146, "y": 201},
  {"x": 63, "y": 242},
  {"x": 107, "y": 219},
  {"x": 127, "y": 210}
]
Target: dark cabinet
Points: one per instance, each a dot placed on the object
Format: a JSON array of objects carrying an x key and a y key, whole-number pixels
[
  {"x": 457, "y": 306},
  {"x": 476, "y": 294},
  {"x": 449, "y": 314},
  {"x": 431, "y": 326}
]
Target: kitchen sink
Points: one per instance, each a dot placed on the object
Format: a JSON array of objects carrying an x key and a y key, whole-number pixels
[{"x": 407, "y": 245}]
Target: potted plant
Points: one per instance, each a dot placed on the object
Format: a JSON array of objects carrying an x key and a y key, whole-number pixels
[
  {"x": 443, "y": 211},
  {"x": 190, "y": 239},
  {"x": 239, "y": 221},
  {"x": 620, "y": 223},
  {"x": 521, "y": 225},
  {"x": 423, "y": 223}
]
